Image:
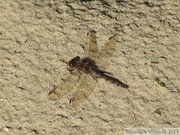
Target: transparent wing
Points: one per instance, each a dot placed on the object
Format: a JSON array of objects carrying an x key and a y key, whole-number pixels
[
  {"x": 65, "y": 86},
  {"x": 107, "y": 52},
  {"x": 91, "y": 49},
  {"x": 84, "y": 90}
]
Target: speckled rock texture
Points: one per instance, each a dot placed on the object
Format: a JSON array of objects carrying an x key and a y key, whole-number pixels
[{"x": 36, "y": 35}]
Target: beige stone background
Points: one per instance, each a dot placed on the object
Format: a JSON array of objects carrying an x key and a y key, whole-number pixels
[{"x": 36, "y": 34}]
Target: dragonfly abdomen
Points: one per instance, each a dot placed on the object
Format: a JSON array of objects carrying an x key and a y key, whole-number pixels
[
  {"x": 111, "y": 79},
  {"x": 114, "y": 80}
]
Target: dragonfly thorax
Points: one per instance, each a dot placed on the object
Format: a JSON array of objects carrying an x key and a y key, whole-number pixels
[{"x": 83, "y": 65}]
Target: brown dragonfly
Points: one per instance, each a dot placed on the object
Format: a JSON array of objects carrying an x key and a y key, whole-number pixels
[{"x": 84, "y": 72}]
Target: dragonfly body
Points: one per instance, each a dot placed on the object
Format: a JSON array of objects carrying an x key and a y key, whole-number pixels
[
  {"x": 89, "y": 66},
  {"x": 85, "y": 71}
]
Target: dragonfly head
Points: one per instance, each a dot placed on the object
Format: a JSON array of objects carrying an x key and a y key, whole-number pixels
[{"x": 73, "y": 63}]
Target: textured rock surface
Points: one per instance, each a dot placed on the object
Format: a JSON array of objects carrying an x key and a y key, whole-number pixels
[{"x": 36, "y": 34}]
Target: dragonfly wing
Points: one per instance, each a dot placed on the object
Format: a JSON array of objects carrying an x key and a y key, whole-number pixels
[
  {"x": 107, "y": 52},
  {"x": 65, "y": 86},
  {"x": 84, "y": 90},
  {"x": 91, "y": 49}
]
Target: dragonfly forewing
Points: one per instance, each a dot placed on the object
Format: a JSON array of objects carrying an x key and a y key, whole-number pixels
[
  {"x": 91, "y": 46},
  {"x": 65, "y": 86}
]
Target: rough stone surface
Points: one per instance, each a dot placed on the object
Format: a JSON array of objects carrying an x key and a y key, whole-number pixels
[{"x": 36, "y": 34}]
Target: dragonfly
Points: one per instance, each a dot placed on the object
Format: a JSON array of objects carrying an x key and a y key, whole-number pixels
[{"x": 84, "y": 72}]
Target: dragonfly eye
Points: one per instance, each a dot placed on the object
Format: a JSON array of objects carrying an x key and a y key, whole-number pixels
[{"x": 73, "y": 63}]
